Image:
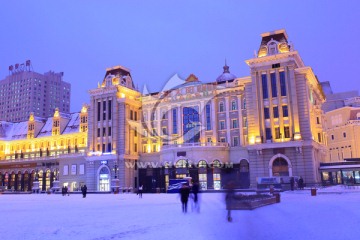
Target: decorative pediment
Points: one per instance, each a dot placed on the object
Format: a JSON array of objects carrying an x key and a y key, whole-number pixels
[{"x": 192, "y": 78}]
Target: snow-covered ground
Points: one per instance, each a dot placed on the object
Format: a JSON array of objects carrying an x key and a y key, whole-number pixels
[{"x": 159, "y": 216}]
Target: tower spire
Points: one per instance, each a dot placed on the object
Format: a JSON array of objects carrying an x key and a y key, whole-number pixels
[{"x": 226, "y": 68}]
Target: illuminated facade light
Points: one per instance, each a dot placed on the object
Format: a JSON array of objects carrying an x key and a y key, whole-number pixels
[{"x": 297, "y": 136}]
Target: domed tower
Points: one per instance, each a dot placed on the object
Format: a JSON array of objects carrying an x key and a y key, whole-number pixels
[{"x": 226, "y": 75}]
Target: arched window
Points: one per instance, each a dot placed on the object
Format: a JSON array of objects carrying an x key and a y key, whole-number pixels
[
  {"x": 104, "y": 179},
  {"x": 181, "y": 168},
  {"x": 181, "y": 163},
  {"x": 280, "y": 167},
  {"x": 216, "y": 164},
  {"x": 202, "y": 174},
  {"x": 202, "y": 164},
  {"x": 221, "y": 107},
  {"x": 217, "y": 174}
]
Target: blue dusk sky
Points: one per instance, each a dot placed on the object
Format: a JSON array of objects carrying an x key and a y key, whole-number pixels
[{"x": 157, "y": 39}]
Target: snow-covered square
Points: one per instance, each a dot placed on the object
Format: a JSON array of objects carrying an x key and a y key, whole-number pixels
[{"x": 332, "y": 214}]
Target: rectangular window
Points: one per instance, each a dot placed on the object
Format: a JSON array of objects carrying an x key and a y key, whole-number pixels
[
  {"x": 236, "y": 141},
  {"x": 276, "y": 65},
  {"x": 98, "y": 132},
  {"x": 277, "y": 133},
  {"x": 153, "y": 116},
  {"x": 109, "y": 131},
  {"x": 317, "y": 120},
  {"x": 73, "y": 169},
  {"x": 82, "y": 169},
  {"x": 135, "y": 147},
  {"x": 98, "y": 148},
  {"x": 268, "y": 133},
  {"x": 154, "y": 132},
  {"x": 287, "y": 132},
  {"x": 131, "y": 115},
  {"x": 135, "y": 115},
  {"x": 319, "y": 137},
  {"x": 264, "y": 86},
  {"x": 235, "y": 123},
  {"x": 104, "y": 132},
  {"x": 144, "y": 148},
  {"x": 222, "y": 125},
  {"x": 276, "y": 112},
  {"x": 109, "y": 147},
  {"x": 98, "y": 111},
  {"x": 282, "y": 84},
  {"x": 110, "y": 109},
  {"x": 285, "y": 111},
  {"x": 135, "y": 131},
  {"x": 266, "y": 113},
  {"x": 103, "y": 148},
  {"x": 222, "y": 139},
  {"x": 174, "y": 129},
  {"x": 66, "y": 170},
  {"x": 154, "y": 147},
  {"x": 332, "y": 137},
  {"x": 104, "y": 110},
  {"x": 273, "y": 85},
  {"x": 233, "y": 105},
  {"x": 344, "y": 134},
  {"x": 208, "y": 117}
]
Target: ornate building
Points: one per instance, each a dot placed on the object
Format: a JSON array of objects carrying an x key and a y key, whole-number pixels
[
  {"x": 231, "y": 129},
  {"x": 44, "y": 148}
]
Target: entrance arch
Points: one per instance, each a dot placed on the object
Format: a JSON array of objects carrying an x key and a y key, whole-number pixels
[
  {"x": 280, "y": 165},
  {"x": 104, "y": 179}
]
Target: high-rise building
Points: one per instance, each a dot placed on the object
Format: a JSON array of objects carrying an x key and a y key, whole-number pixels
[{"x": 25, "y": 91}]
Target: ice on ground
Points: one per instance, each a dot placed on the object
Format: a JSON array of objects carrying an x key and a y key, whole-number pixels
[{"x": 159, "y": 216}]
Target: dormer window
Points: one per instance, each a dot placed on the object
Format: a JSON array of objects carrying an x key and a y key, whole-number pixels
[{"x": 272, "y": 47}]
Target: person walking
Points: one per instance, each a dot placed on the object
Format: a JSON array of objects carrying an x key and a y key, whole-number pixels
[
  {"x": 184, "y": 194},
  {"x": 195, "y": 191},
  {"x": 301, "y": 183},
  {"x": 67, "y": 191},
  {"x": 229, "y": 198},
  {"x": 140, "y": 191},
  {"x": 84, "y": 191},
  {"x": 292, "y": 183}
]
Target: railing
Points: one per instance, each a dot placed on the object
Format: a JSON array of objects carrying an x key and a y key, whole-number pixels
[
  {"x": 44, "y": 158},
  {"x": 198, "y": 144}
]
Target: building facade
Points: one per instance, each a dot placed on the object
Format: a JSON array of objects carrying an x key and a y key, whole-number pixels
[
  {"x": 25, "y": 91},
  {"x": 46, "y": 149},
  {"x": 267, "y": 124}
]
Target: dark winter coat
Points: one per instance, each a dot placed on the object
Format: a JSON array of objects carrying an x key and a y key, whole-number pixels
[{"x": 184, "y": 193}]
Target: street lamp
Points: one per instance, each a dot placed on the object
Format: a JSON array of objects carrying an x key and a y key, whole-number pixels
[{"x": 115, "y": 169}]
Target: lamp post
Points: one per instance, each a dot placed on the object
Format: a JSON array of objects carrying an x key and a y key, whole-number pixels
[
  {"x": 115, "y": 183},
  {"x": 115, "y": 169}
]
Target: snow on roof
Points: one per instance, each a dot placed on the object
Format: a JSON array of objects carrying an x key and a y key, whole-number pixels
[
  {"x": 46, "y": 129},
  {"x": 73, "y": 125},
  {"x": 5, "y": 129},
  {"x": 13, "y": 131},
  {"x": 65, "y": 115}
]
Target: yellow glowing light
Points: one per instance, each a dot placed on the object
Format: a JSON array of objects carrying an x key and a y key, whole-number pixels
[
  {"x": 122, "y": 95},
  {"x": 56, "y": 114},
  {"x": 258, "y": 139},
  {"x": 83, "y": 109},
  {"x": 252, "y": 140},
  {"x": 297, "y": 136}
]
